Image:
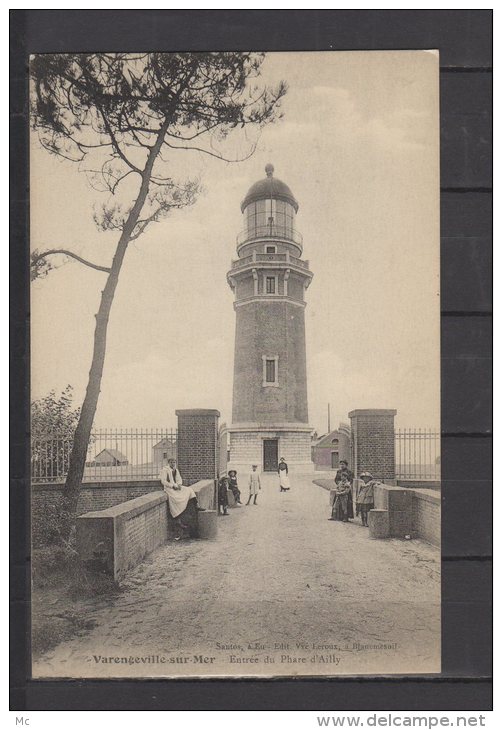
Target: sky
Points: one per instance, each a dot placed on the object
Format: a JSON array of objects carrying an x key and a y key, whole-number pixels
[{"x": 358, "y": 145}]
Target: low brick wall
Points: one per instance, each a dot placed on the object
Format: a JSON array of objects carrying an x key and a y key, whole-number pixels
[
  {"x": 414, "y": 512},
  {"x": 398, "y": 503},
  {"x": 426, "y": 507},
  {"x": 117, "y": 538},
  {"x": 94, "y": 495},
  {"x": 419, "y": 484}
]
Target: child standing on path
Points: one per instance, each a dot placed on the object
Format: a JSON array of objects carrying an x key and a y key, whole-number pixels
[
  {"x": 254, "y": 484},
  {"x": 223, "y": 496},
  {"x": 365, "y": 500}
]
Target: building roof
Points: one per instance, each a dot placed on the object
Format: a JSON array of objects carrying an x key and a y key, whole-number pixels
[
  {"x": 115, "y": 453},
  {"x": 328, "y": 437},
  {"x": 269, "y": 187},
  {"x": 164, "y": 442}
]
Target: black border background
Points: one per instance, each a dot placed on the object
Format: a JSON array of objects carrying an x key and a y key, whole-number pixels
[{"x": 464, "y": 38}]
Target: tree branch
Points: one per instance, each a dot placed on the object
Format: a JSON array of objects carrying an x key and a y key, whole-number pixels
[
  {"x": 39, "y": 256},
  {"x": 211, "y": 154}
]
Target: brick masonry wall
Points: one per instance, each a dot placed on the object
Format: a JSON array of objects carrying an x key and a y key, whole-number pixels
[
  {"x": 118, "y": 538},
  {"x": 95, "y": 496},
  {"x": 427, "y": 517},
  {"x": 274, "y": 329},
  {"x": 198, "y": 444},
  {"x": 373, "y": 442},
  {"x": 142, "y": 534}
]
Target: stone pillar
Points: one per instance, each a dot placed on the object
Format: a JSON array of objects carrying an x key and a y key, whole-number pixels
[
  {"x": 198, "y": 444},
  {"x": 373, "y": 447}
]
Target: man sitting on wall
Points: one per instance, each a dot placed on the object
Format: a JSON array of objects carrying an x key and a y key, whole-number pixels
[{"x": 181, "y": 499}]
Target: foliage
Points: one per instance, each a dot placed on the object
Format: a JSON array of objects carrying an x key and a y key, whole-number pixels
[
  {"x": 118, "y": 115},
  {"x": 53, "y": 524},
  {"x": 54, "y": 414},
  {"x": 53, "y": 423},
  {"x": 110, "y": 108}
]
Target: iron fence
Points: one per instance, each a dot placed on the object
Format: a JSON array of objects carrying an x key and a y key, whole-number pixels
[
  {"x": 112, "y": 455},
  {"x": 418, "y": 454}
]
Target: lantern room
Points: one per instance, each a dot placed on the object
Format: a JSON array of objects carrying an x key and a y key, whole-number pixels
[{"x": 269, "y": 211}]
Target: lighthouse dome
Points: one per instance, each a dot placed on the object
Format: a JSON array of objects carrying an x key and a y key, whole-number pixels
[{"x": 269, "y": 188}]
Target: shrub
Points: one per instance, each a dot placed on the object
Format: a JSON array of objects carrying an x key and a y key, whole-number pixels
[{"x": 52, "y": 524}]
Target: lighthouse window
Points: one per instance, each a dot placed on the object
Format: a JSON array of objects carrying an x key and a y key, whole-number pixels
[
  {"x": 270, "y": 285},
  {"x": 270, "y": 370},
  {"x": 284, "y": 216}
]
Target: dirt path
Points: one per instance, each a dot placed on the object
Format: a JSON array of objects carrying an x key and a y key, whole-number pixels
[{"x": 281, "y": 591}]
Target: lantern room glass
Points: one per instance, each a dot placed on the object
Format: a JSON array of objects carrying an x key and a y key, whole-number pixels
[{"x": 269, "y": 217}]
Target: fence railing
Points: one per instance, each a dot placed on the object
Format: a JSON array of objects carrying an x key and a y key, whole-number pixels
[
  {"x": 418, "y": 454},
  {"x": 112, "y": 455}
]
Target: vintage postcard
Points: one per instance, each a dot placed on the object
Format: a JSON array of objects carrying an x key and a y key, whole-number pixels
[{"x": 235, "y": 429}]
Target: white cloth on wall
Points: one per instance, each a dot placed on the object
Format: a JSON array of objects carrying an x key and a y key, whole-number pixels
[{"x": 178, "y": 498}]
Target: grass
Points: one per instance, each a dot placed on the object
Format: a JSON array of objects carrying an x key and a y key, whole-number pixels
[{"x": 62, "y": 593}]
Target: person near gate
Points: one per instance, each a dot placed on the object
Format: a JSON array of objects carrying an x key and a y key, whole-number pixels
[
  {"x": 365, "y": 500},
  {"x": 179, "y": 497},
  {"x": 344, "y": 474},
  {"x": 234, "y": 487},
  {"x": 283, "y": 472},
  {"x": 223, "y": 496},
  {"x": 254, "y": 484},
  {"x": 340, "y": 502}
]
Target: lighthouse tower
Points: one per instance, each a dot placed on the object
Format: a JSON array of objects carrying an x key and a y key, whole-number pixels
[{"x": 269, "y": 280}]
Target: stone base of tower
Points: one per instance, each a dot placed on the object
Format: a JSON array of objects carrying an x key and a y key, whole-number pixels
[{"x": 264, "y": 445}]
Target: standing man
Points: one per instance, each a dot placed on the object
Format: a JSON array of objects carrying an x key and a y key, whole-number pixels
[
  {"x": 254, "y": 484},
  {"x": 179, "y": 497},
  {"x": 343, "y": 474}
]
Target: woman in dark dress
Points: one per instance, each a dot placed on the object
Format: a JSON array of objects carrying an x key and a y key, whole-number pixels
[
  {"x": 344, "y": 473},
  {"x": 341, "y": 502}
]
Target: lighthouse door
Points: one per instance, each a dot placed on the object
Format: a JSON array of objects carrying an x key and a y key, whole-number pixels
[{"x": 270, "y": 454}]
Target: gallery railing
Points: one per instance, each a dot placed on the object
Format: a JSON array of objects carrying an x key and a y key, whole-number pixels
[
  {"x": 112, "y": 455},
  {"x": 279, "y": 258},
  {"x": 274, "y": 231}
]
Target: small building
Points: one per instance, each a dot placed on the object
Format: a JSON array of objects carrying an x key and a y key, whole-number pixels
[
  {"x": 164, "y": 449},
  {"x": 109, "y": 457},
  {"x": 329, "y": 449}
]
